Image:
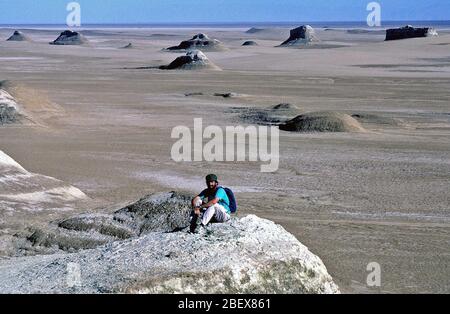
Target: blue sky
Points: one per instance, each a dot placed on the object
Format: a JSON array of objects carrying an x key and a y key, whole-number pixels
[{"x": 204, "y": 11}]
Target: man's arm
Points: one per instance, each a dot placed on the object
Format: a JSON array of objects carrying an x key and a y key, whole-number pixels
[
  {"x": 216, "y": 200},
  {"x": 194, "y": 200},
  {"x": 198, "y": 197},
  {"x": 211, "y": 203},
  {"x": 196, "y": 208}
]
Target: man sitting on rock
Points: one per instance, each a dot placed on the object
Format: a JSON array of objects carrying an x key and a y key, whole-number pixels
[{"x": 212, "y": 202}]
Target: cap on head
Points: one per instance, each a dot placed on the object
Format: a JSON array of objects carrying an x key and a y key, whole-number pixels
[{"x": 211, "y": 177}]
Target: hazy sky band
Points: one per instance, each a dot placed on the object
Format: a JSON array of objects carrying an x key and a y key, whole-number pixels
[{"x": 211, "y": 11}]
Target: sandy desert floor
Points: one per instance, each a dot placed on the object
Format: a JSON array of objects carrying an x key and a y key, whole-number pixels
[{"x": 98, "y": 119}]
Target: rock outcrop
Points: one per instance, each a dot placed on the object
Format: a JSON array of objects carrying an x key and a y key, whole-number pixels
[
  {"x": 18, "y": 36},
  {"x": 409, "y": 32},
  {"x": 199, "y": 42},
  {"x": 303, "y": 35},
  {"x": 193, "y": 60},
  {"x": 69, "y": 38},
  {"x": 322, "y": 122},
  {"x": 9, "y": 110},
  {"x": 247, "y": 255},
  {"x": 22, "y": 190},
  {"x": 164, "y": 212}
]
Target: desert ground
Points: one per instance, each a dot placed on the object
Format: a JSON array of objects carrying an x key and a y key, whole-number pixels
[{"x": 99, "y": 118}]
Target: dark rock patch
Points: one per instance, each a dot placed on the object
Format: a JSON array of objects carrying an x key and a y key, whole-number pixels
[
  {"x": 250, "y": 43},
  {"x": 409, "y": 32},
  {"x": 194, "y": 94},
  {"x": 226, "y": 95}
]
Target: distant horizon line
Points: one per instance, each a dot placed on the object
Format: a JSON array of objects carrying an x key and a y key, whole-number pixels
[{"x": 219, "y": 23}]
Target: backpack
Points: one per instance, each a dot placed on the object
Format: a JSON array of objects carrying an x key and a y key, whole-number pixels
[{"x": 232, "y": 199}]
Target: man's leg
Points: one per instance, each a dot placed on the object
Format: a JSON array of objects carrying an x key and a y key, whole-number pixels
[
  {"x": 208, "y": 215},
  {"x": 218, "y": 212},
  {"x": 194, "y": 217},
  {"x": 193, "y": 221},
  {"x": 221, "y": 214}
]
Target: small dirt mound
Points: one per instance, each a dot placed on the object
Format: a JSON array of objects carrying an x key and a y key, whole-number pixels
[
  {"x": 18, "y": 36},
  {"x": 199, "y": 42},
  {"x": 69, "y": 38},
  {"x": 193, "y": 60},
  {"x": 322, "y": 122},
  {"x": 254, "y": 30},
  {"x": 250, "y": 43}
]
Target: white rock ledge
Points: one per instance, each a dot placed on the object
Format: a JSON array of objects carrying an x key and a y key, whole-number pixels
[{"x": 247, "y": 255}]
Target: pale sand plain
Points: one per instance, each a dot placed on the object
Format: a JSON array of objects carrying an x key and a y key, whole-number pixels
[{"x": 100, "y": 119}]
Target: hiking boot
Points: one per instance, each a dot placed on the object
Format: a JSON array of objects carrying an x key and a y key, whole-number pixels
[
  {"x": 194, "y": 221},
  {"x": 201, "y": 230},
  {"x": 204, "y": 230}
]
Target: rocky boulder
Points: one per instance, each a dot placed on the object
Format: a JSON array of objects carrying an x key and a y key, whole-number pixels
[
  {"x": 247, "y": 255},
  {"x": 9, "y": 111},
  {"x": 303, "y": 35},
  {"x": 18, "y": 36},
  {"x": 193, "y": 60},
  {"x": 199, "y": 42},
  {"x": 69, "y": 38},
  {"x": 163, "y": 212},
  {"x": 409, "y": 32},
  {"x": 21, "y": 190}
]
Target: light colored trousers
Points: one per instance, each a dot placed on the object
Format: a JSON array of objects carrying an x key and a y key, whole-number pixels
[{"x": 218, "y": 212}]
